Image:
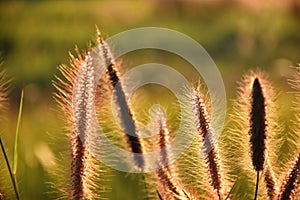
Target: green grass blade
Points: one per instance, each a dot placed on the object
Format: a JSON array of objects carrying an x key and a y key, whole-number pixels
[
  {"x": 12, "y": 177},
  {"x": 231, "y": 190},
  {"x": 15, "y": 164}
]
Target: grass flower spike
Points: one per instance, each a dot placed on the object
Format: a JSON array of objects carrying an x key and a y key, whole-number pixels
[
  {"x": 291, "y": 181},
  {"x": 207, "y": 137},
  {"x": 257, "y": 126},
  {"x": 125, "y": 114},
  {"x": 76, "y": 96},
  {"x": 169, "y": 184}
]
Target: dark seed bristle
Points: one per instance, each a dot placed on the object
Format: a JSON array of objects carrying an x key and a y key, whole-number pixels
[
  {"x": 290, "y": 183},
  {"x": 159, "y": 196},
  {"x": 257, "y": 126}
]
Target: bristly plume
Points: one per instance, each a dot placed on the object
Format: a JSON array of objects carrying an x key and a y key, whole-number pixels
[
  {"x": 257, "y": 126},
  {"x": 270, "y": 181},
  {"x": 76, "y": 97},
  {"x": 210, "y": 149},
  {"x": 254, "y": 119},
  {"x": 289, "y": 142},
  {"x": 257, "y": 130},
  {"x": 163, "y": 141},
  {"x": 168, "y": 181},
  {"x": 4, "y": 87},
  {"x": 290, "y": 182},
  {"x": 125, "y": 113}
]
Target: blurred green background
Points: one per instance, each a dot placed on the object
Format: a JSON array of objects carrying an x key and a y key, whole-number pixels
[{"x": 36, "y": 36}]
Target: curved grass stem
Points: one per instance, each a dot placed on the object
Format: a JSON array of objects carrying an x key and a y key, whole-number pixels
[
  {"x": 256, "y": 186},
  {"x": 15, "y": 163},
  {"x": 12, "y": 177}
]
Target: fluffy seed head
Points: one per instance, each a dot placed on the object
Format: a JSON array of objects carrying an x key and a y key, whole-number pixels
[
  {"x": 257, "y": 126},
  {"x": 168, "y": 182},
  {"x": 270, "y": 182},
  {"x": 125, "y": 113},
  {"x": 207, "y": 135},
  {"x": 76, "y": 97},
  {"x": 290, "y": 182}
]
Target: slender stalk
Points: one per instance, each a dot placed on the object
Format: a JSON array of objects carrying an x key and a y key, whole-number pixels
[
  {"x": 159, "y": 196},
  {"x": 256, "y": 186},
  {"x": 230, "y": 191},
  {"x": 15, "y": 164},
  {"x": 12, "y": 177}
]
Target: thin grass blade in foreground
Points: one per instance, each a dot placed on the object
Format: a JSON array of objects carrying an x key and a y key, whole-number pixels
[
  {"x": 15, "y": 164},
  {"x": 290, "y": 182},
  {"x": 210, "y": 149},
  {"x": 4, "y": 87},
  {"x": 12, "y": 177}
]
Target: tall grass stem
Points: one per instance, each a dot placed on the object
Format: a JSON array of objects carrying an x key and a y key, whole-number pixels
[
  {"x": 15, "y": 163},
  {"x": 12, "y": 177}
]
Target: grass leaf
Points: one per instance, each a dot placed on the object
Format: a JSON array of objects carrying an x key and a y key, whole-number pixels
[{"x": 15, "y": 163}]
